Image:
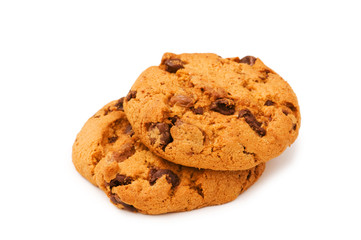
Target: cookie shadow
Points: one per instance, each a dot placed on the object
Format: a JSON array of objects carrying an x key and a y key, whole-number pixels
[{"x": 280, "y": 163}]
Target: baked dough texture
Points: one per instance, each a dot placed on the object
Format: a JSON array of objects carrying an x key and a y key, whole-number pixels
[
  {"x": 204, "y": 111},
  {"x": 110, "y": 155}
]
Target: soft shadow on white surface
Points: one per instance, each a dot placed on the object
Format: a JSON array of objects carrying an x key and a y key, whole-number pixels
[
  {"x": 280, "y": 163},
  {"x": 273, "y": 167}
]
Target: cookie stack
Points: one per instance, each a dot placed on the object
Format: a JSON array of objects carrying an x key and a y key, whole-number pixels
[{"x": 194, "y": 131}]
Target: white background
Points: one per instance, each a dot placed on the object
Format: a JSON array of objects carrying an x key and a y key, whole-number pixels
[{"x": 60, "y": 61}]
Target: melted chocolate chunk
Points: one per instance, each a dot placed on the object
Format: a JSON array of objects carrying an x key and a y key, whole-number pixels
[
  {"x": 131, "y": 94},
  {"x": 106, "y": 111},
  {"x": 285, "y": 112},
  {"x": 128, "y": 207},
  {"x": 119, "y": 104},
  {"x": 116, "y": 200},
  {"x": 199, "y": 189},
  {"x": 125, "y": 151},
  {"x": 120, "y": 180},
  {"x": 174, "y": 119},
  {"x": 181, "y": 100},
  {"x": 290, "y": 106},
  {"x": 269, "y": 103},
  {"x": 252, "y": 121},
  {"x": 173, "y": 65},
  {"x": 249, "y": 175},
  {"x": 164, "y": 131},
  {"x": 250, "y": 60},
  {"x": 112, "y": 139},
  {"x": 265, "y": 75},
  {"x": 223, "y": 106},
  {"x": 171, "y": 177},
  {"x": 129, "y": 130},
  {"x": 198, "y": 110}
]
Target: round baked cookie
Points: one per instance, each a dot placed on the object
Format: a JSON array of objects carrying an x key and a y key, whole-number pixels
[
  {"x": 135, "y": 179},
  {"x": 96, "y": 139},
  {"x": 204, "y": 111}
]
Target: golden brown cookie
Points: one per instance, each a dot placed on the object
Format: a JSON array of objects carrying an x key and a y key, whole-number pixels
[
  {"x": 96, "y": 139},
  {"x": 204, "y": 111},
  {"x": 110, "y": 155}
]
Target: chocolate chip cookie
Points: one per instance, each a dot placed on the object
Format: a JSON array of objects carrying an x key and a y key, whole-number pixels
[
  {"x": 97, "y": 137},
  {"x": 109, "y": 154},
  {"x": 204, "y": 111}
]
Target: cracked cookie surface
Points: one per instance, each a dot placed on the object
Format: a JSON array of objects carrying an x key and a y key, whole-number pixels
[
  {"x": 111, "y": 156},
  {"x": 204, "y": 111}
]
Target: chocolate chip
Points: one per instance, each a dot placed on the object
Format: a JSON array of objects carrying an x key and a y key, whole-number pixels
[
  {"x": 120, "y": 180},
  {"x": 285, "y": 112},
  {"x": 174, "y": 119},
  {"x": 112, "y": 139},
  {"x": 223, "y": 106},
  {"x": 247, "y": 114},
  {"x": 116, "y": 200},
  {"x": 181, "y": 100},
  {"x": 294, "y": 126},
  {"x": 198, "y": 110},
  {"x": 249, "y": 175},
  {"x": 171, "y": 177},
  {"x": 165, "y": 136},
  {"x": 127, "y": 150},
  {"x": 290, "y": 106},
  {"x": 269, "y": 103},
  {"x": 129, "y": 130},
  {"x": 199, "y": 189},
  {"x": 265, "y": 73},
  {"x": 173, "y": 65},
  {"x": 250, "y": 60},
  {"x": 252, "y": 121},
  {"x": 119, "y": 104},
  {"x": 164, "y": 131},
  {"x": 128, "y": 207},
  {"x": 131, "y": 94},
  {"x": 106, "y": 111}
]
